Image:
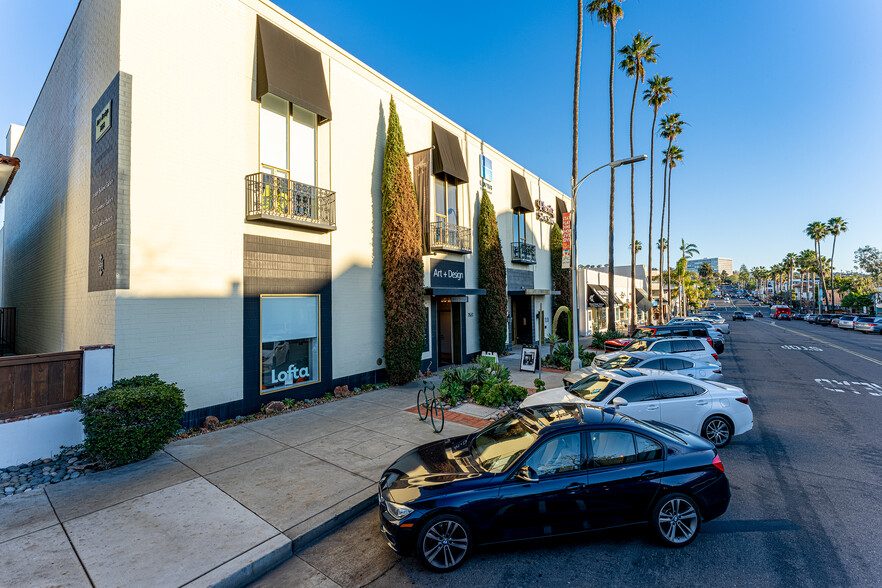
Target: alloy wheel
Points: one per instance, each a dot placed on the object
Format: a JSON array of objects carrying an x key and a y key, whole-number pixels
[
  {"x": 717, "y": 431},
  {"x": 445, "y": 544},
  {"x": 677, "y": 521}
]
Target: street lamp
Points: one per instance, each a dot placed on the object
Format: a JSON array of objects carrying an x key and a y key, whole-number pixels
[{"x": 576, "y": 363}]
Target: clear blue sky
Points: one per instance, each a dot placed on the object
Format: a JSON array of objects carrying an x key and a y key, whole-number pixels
[{"x": 782, "y": 101}]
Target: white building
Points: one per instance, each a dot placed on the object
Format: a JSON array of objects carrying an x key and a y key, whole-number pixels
[{"x": 594, "y": 297}]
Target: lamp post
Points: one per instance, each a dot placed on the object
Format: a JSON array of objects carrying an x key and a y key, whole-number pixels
[{"x": 576, "y": 362}]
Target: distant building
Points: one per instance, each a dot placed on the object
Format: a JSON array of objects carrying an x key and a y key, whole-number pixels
[{"x": 719, "y": 264}]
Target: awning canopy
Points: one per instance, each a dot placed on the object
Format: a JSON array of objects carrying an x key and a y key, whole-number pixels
[
  {"x": 455, "y": 291},
  {"x": 520, "y": 194},
  {"x": 8, "y": 167},
  {"x": 291, "y": 69},
  {"x": 643, "y": 304},
  {"x": 561, "y": 208},
  {"x": 597, "y": 297},
  {"x": 447, "y": 155}
]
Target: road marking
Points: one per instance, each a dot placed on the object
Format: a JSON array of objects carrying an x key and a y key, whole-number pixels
[
  {"x": 839, "y": 347},
  {"x": 845, "y": 386},
  {"x": 801, "y": 348}
]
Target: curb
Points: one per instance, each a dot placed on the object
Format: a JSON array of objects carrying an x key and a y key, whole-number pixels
[
  {"x": 249, "y": 566},
  {"x": 312, "y": 529}
]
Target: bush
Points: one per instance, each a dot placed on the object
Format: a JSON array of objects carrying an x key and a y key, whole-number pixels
[
  {"x": 486, "y": 381},
  {"x": 492, "y": 321},
  {"x": 601, "y": 338},
  {"x": 131, "y": 420},
  {"x": 562, "y": 355}
]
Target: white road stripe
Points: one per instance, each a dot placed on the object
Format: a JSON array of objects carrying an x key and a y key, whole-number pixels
[{"x": 839, "y": 347}]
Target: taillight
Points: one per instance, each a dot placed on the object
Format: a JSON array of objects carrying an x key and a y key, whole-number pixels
[
  {"x": 718, "y": 463},
  {"x": 743, "y": 400},
  {"x": 711, "y": 341},
  {"x": 715, "y": 356},
  {"x": 718, "y": 371}
]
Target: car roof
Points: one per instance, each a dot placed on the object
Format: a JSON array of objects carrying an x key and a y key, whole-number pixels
[{"x": 555, "y": 417}]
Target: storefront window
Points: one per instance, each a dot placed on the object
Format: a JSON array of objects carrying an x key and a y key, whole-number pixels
[
  {"x": 287, "y": 140},
  {"x": 289, "y": 349}
]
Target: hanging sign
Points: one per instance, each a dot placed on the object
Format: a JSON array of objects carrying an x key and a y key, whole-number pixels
[
  {"x": 567, "y": 241},
  {"x": 544, "y": 212}
]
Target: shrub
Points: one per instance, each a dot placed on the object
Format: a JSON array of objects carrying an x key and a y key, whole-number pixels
[
  {"x": 562, "y": 355},
  {"x": 486, "y": 381},
  {"x": 601, "y": 338},
  {"x": 560, "y": 278},
  {"x": 131, "y": 420},
  {"x": 496, "y": 392},
  {"x": 492, "y": 307}
]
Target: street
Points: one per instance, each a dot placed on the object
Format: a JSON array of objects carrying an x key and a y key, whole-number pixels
[{"x": 806, "y": 483}]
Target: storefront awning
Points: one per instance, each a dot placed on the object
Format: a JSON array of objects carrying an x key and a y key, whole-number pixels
[
  {"x": 291, "y": 69},
  {"x": 561, "y": 208},
  {"x": 643, "y": 304},
  {"x": 596, "y": 296},
  {"x": 8, "y": 167},
  {"x": 447, "y": 155},
  {"x": 534, "y": 292},
  {"x": 455, "y": 291},
  {"x": 520, "y": 195}
]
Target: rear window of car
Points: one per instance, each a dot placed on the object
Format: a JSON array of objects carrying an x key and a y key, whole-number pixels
[
  {"x": 620, "y": 362},
  {"x": 639, "y": 345},
  {"x": 640, "y": 333},
  {"x": 593, "y": 387}
]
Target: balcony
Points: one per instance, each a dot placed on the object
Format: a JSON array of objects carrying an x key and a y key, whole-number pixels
[
  {"x": 523, "y": 253},
  {"x": 280, "y": 200},
  {"x": 449, "y": 237}
]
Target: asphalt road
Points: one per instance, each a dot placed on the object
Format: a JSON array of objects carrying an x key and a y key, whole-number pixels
[{"x": 806, "y": 487}]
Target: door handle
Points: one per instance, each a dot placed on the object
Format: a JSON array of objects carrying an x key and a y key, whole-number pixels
[
  {"x": 575, "y": 487},
  {"x": 702, "y": 403},
  {"x": 648, "y": 475},
  {"x": 652, "y": 407}
]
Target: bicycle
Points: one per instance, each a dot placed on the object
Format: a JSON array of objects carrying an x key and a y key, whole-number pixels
[{"x": 431, "y": 409}]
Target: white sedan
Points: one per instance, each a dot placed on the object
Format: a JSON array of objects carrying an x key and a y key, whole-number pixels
[
  {"x": 668, "y": 362},
  {"x": 714, "y": 410}
]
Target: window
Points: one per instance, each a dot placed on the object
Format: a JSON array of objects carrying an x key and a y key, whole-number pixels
[
  {"x": 289, "y": 341},
  {"x": 519, "y": 226},
  {"x": 679, "y": 346},
  {"x": 594, "y": 386},
  {"x": 557, "y": 456},
  {"x": 647, "y": 449},
  {"x": 680, "y": 332},
  {"x": 663, "y": 347},
  {"x": 694, "y": 345},
  {"x": 655, "y": 364},
  {"x": 612, "y": 448},
  {"x": 637, "y": 392},
  {"x": 486, "y": 168},
  {"x": 672, "y": 364},
  {"x": 674, "y": 389},
  {"x": 446, "y": 201},
  {"x": 287, "y": 140},
  {"x": 620, "y": 361},
  {"x": 503, "y": 442}
]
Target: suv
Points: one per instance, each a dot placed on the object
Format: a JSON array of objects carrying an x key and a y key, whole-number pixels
[
  {"x": 697, "y": 348},
  {"x": 705, "y": 330},
  {"x": 739, "y": 315}
]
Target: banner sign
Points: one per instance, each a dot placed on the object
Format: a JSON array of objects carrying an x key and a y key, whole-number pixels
[
  {"x": 567, "y": 241},
  {"x": 447, "y": 274}
]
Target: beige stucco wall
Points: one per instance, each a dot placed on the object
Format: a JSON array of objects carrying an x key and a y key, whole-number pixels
[{"x": 47, "y": 208}]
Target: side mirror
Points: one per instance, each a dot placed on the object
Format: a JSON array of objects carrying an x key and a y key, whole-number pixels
[
  {"x": 527, "y": 474},
  {"x": 619, "y": 402}
]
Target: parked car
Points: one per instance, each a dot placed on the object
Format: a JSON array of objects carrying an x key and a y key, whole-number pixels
[
  {"x": 739, "y": 315},
  {"x": 684, "y": 329},
  {"x": 708, "y": 369},
  {"x": 869, "y": 324},
  {"x": 616, "y": 344},
  {"x": 544, "y": 471},
  {"x": 824, "y": 319},
  {"x": 698, "y": 348},
  {"x": 718, "y": 322},
  {"x": 714, "y": 410},
  {"x": 758, "y": 314},
  {"x": 847, "y": 321}
]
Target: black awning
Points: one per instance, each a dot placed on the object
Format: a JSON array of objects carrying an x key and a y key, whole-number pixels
[
  {"x": 561, "y": 208},
  {"x": 291, "y": 69},
  {"x": 455, "y": 291},
  {"x": 596, "y": 296},
  {"x": 520, "y": 194},
  {"x": 447, "y": 155}
]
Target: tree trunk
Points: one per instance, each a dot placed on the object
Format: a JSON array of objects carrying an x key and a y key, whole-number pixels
[
  {"x": 611, "y": 314},
  {"x": 661, "y": 248},
  {"x": 633, "y": 322},
  {"x": 573, "y": 255},
  {"x": 832, "y": 277},
  {"x": 670, "y": 172},
  {"x": 649, "y": 243}
]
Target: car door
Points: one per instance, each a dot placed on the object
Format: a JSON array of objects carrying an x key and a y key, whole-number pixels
[
  {"x": 624, "y": 472},
  {"x": 554, "y": 504},
  {"x": 683, "y": 404},
  {"x": 642, "y": 400}
]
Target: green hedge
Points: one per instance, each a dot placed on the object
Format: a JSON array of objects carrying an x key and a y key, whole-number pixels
[
  {"x": 493, "y": 306},
  {"x": 131, "y": 420},
  {"x": 485, "y": 381}
]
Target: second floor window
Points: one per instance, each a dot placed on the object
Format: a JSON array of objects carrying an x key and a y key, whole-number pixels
[
  {"x": 519, "y": 229},
  {"x": 446, "y": 201},
  {"x": 287, "y": 140}
]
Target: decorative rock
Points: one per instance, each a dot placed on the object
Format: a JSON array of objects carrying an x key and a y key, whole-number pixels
[
  {"x": 239, "y": 419},
  {"x": 75, "y": 475},
  {"x": 9, "y": 490},
  {"x": 12, "y": 469},
  {"x": 274, "y": 406},
  {"x": 211, "y": 423}
]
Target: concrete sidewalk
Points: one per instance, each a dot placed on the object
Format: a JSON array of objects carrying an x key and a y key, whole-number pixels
[{"x": 217, "y": 509}]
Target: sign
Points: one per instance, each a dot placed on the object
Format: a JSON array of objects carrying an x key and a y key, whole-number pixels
[
  {"x": 491, "y": 354},
  {"x": 529, "y": 358},
  {"x": 567, "y": 241},
  {"x": 544, "y": 212},
  {"x": 104, "y": 193},
  {"x": 103, "y": 120},
  {"x": 447, "y": 274}
]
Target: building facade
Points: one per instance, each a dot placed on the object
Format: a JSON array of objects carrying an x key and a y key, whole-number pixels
[
  {"x": 718, "y": 264},
  {"x": 595, "y": 298},
  {"x": 206, "y": 197}
]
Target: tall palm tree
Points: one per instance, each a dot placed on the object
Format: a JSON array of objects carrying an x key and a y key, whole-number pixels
[
  {"x": 575, "y": 178},
  {"x": 817, "y": 231},
  {"x": 658, "y": 92},
  {"x": 673, "y": 155},
  {"x": 687, "y": 251},
  {"x": 609, "y": 12},
  {"x": 639, "y": 51},
  {"x": 835, "y": 226},
  {"x": 662, "y": 245},
  {"x": 790, "y": 262},
  {"x": 671, "y": 127}
]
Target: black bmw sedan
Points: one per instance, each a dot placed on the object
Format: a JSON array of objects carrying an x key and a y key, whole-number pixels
[{"x": 549, "y": 470}]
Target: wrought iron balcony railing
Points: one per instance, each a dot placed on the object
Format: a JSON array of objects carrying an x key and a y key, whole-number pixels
[
  {"x": 280, "y": 200},
  {"x": 450, "y": 237},
  {"x": 523, "y": 252}
]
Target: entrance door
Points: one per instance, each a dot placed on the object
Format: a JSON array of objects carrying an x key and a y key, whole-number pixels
[
  {"x": 445, "y": 332},
  {"x": 522, "y": 311}
]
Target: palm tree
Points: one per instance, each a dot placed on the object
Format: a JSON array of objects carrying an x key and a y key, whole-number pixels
[
  {"x": 835, "y": 226},
  {"x": 658, "y": 93},
  {"x": 687, "y": 251},
  {"x": 673, "y": 155},
  {"x": 671, "y": 127},
  {"x": 818, "y": 231},
  {"x": 662, "y": 245},
  {"x": 639, "y": 51},
  {"x": 790, "y": 262},
  {"x": 609, "y": 12}
]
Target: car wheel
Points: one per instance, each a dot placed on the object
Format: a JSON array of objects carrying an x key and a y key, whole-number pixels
[
  {"x": 676, "y": 520},
  {"x": 717, "y": 430},
  {"x": 444, "y": 543}
]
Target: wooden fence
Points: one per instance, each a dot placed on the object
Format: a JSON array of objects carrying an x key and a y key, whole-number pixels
[{"x": 39, "y": 383}]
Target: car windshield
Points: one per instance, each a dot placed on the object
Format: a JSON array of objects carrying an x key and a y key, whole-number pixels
[
  {"x": 593, "y": 387},
  {"x": 500, "y": 444},
  {"x": 638, "y": 345},
  {"x": 644, "y": 333},
  {"x": 620, "y": 361}
]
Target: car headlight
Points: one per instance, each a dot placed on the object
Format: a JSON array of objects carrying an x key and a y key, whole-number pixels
[{"x": 398, "y": 511}]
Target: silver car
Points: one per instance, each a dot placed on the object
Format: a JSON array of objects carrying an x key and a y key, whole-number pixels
[
  {"x": 846, "y": 322},
  {"x": 669, "y": 362},
  {"x": 869, "y": 324}
]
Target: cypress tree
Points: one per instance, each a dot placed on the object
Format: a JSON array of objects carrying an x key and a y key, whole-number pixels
[
  {"x": 402, "y": 260},
  {"x": 492, "y": 311},
  {"x": 560, "y": 280}
]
